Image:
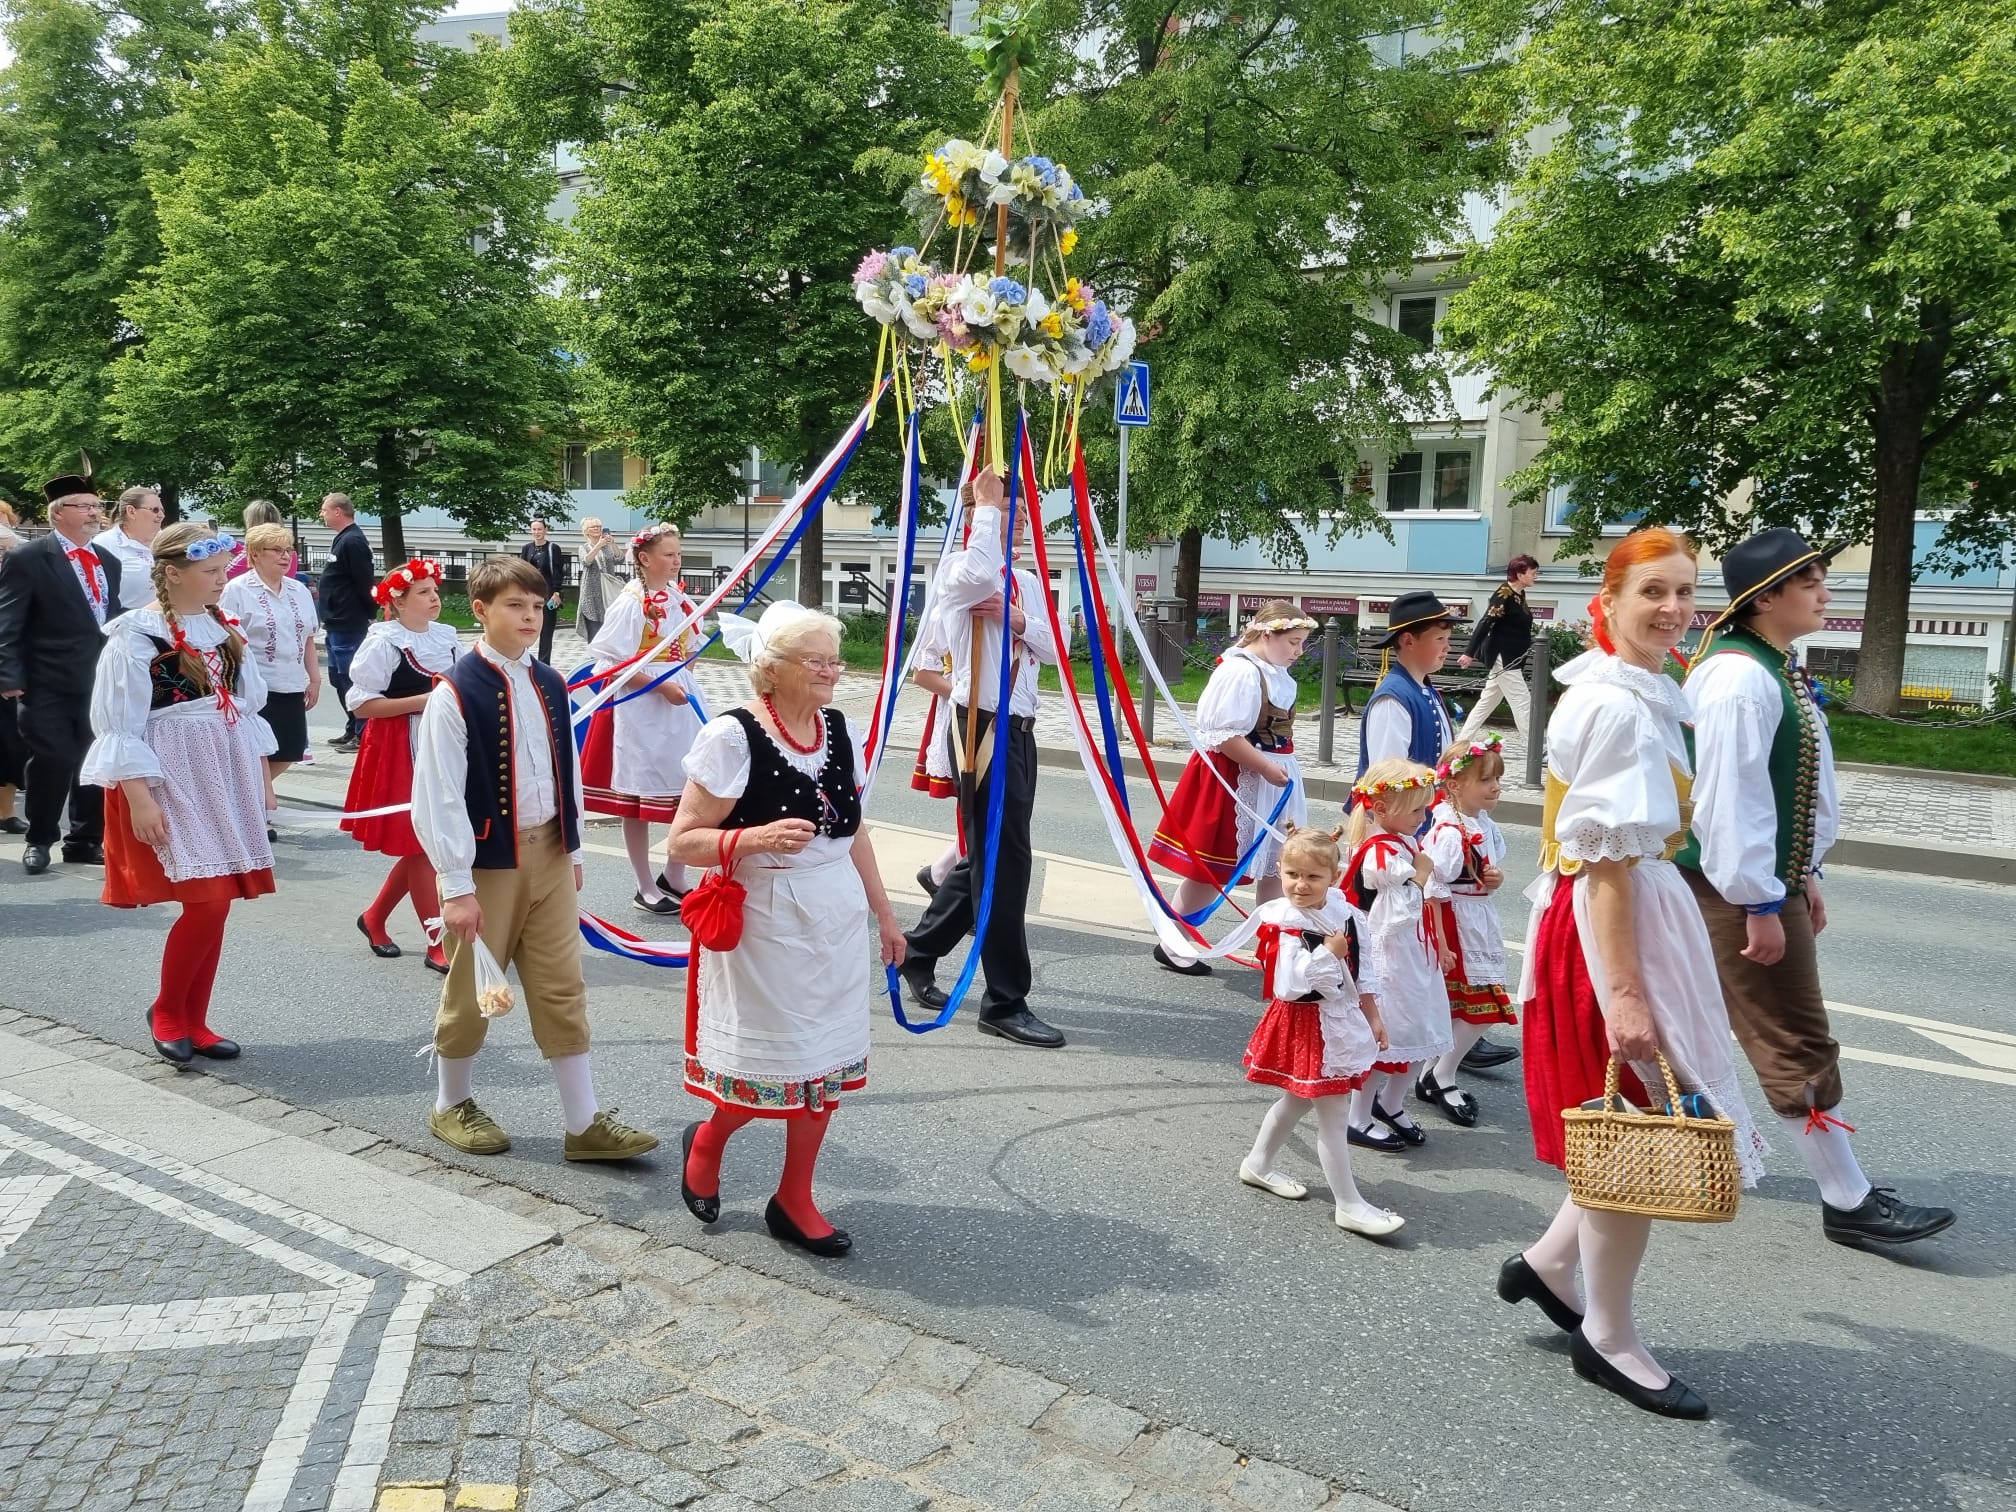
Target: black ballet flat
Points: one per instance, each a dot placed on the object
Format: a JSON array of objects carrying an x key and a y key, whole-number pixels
[
  {"x": 439, "y": 967},
  {"x": 386, "y": 952},
  {"x": 664, "y": 905},
  {"x": 1366, "y": 1139},
  {"x": 1410, "y": 1131},
  {"x": 223, "y": 1050},
  {"x": 1169, "y": 963},
  {"x": 676, "y": 894},
  {"x": 1519, "y": 1282},
  {"x": 706, "y": 1209},
  {"x": 1458, "y": 1106},
  {"x": 1676, "y": 1399},
  {"x": 782, "y": 1229},
  {"x": 177, "y": 1052}
]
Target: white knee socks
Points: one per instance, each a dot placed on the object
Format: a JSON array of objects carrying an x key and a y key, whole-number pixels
[
  {"x": 1467, "y": 1034},
  {"x": 454, "y": 1081},
  {"x": 1831, "y": 1159},
  {"x": 1613, "y": 1247},
  {"x": 1274, "y": 1131},
  {"x": 577, "y": 1091},
  {"x": 637, "y": 842},
  {"x": 947, "y": 859}
]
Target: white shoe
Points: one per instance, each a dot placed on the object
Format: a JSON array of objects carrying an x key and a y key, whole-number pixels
[
  {"x": 1372, "y": 1222},
  {"x": 1273, "y": 1181}
]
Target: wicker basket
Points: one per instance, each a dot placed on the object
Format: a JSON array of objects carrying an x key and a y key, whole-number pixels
[{"x": 1657, "y": 1165}]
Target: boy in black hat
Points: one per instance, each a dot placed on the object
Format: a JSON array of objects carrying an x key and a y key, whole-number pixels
[{"x": 1765, "y": 812}]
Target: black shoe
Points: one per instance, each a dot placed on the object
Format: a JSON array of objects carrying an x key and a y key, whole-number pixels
[
  {"x": 1676, "y": 1399},
  {"x": 676, "y": 894},
  {"x": 1169, "y": 963},
  {"x": 1882, "y": 1219},
  {"x": 436, "y": 963},
  {"x": 271, "y": 834},
  {"x": 1519, "y": 1282},
  {"x": 83, "y": 853},
  {"x": 1372, "y": 1139},
  {"x": 661, "y": 907},
  {"x": 1484, "y": 1055},
  {"x": 35, "y": 860},
  {"x": 832, "y": 1247},
  {"x": 347, "y": 746},
  {"x": 917, "y": 976},
  {"x": 223, "y": 1050},
  {"x": 386, "y": 952},
  {"x": 924, "y": 881},
  {"x": 1458, "y": 1106},
  {"x": 1409, "y": 1130},
  {"x": 177, "y": 1052},
  {"x": 346, "y": 738},
  {"x": 706, "y": 1209},
  {"x": 13, "y": 825},
  {"x": 1024, "y": 1028}
]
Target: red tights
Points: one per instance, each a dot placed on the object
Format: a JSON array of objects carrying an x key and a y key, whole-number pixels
[
  {"x": 410, "y": 877},
  {"x": 803, "y": 1135},
  {"x": 188, "y": 972}
]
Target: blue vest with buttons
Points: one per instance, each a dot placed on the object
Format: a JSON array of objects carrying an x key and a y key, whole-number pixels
[
  {"x": 1424, "y": 709},
  {"x": 491, "y": 790}
]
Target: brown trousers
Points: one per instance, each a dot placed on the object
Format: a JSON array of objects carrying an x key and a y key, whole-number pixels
[
  {"x": 1777, "y": 1011},
  {"x": 531, "y": 920}
]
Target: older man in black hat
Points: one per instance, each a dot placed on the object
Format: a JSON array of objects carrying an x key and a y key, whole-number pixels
[
  {"x": 1765, "y": 812},
  {"x": 55, "y": 596}
]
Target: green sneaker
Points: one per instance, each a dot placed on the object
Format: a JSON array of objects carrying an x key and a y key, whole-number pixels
[
  {"x": 469, "y": 1129},
  {"x": 606, "y": 1139}
]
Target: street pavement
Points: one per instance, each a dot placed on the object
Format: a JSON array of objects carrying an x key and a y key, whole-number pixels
[{"x": 1072, "y": 1221}]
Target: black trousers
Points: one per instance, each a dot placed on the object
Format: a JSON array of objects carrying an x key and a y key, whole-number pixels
[
  {"x": 1004, "y": 954},
  {"x": 57, "y": 732},
  {"x": 547, "y": 625}
]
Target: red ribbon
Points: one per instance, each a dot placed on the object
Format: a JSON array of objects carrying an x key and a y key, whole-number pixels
[{"x": 1819, "y": 1121}]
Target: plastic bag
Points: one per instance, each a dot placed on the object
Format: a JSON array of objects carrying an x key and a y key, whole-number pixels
[{"x": 494, "y": 996}]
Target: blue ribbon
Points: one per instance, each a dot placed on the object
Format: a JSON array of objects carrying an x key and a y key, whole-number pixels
[{"x": 1099, "y": 679}]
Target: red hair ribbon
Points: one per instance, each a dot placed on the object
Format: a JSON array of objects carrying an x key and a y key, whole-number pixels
[{"x": 400, "y": 579}]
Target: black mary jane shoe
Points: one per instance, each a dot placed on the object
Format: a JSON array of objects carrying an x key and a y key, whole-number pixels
[
  {"x": 223, "y": 1049},
  {"x": 386, "y": 952},
  {"x": 1676, "y": 1399},
  {"x": 706, "y": 1209},
  {"x": 1486, "y": 1054},
  {"x": 1371, "y": 1139},
  {"x": 663, "y": 906},
  {"x": 828, "y": 1247},
  {"x": 1169, "y": 963},
  {"x": 1410, "y": 1132},
  {"x": 925, "y": 881},
  {"x": 1519, "y": 1282},
  {"x": 1458, "y": 1106},
  {"x": 1022, "y": 1027},
  {"x": 177, "y": 1052}
]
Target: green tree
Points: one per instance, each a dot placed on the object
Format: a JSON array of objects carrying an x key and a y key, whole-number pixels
[
  {"x": 710, "y": 261},
  {"x": 347, "y": 294},
  {"x": 1765, "y": 247},
  {"x": 1265, "y": 171}
]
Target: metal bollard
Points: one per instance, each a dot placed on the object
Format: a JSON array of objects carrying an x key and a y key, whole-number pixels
[
  {"x": 1539, "y": 675},
  {"x": 1326, "y": 719}
]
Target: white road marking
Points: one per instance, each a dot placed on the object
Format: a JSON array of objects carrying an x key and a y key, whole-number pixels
[
  {"x": 189, "y": 1323},
  {"x": 22, "y": 1199}
]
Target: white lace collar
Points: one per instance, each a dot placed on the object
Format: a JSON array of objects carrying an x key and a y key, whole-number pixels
[
  {"x": 1601, "y": 666},
  {"x": 434, "y": 634}
]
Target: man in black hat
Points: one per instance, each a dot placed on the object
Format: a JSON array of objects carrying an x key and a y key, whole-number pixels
[
  {"x": 55, "y": 596},
  {"x": 1765, "y": 812}
]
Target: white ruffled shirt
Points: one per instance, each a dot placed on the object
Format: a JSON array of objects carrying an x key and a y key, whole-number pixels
[
  {"x": 719, "y": 762},
  {"x": 1615, "y": 741},
  {"x": 972, "y": 576},
  {"x": 123, "y": 693},
  {"x": 434, "y": 648},
  {"x": 1349, "y": 1046},
  {"x": 1230, "y": 705},
  {"x": 279, "y": 626}
]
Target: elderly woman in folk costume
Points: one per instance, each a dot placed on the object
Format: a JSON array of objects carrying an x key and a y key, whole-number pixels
[
  {"x": 633, "y": 764},
  {"x": 1246, "y": 726},
  {"x": 777, "y": 1026},
  {"x": 396, "y": 667}
]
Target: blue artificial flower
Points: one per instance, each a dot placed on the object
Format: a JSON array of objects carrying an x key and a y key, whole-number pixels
[
  {"x": 1077, "y": 193},
  {"x": 1008, "y": 291},
  {"x": 916, "y": 284},
  {"x": 1046, "y": 170},
  {"x": 897, "y": 254},
  {"x": 1098, "y": 325}
]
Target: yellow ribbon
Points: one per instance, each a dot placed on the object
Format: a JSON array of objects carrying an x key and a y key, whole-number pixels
[
  {"x": 875, "y": 393},
  {"x": 1050, "y": 451},
  {"x": 952, "y": 392},
  {"x": 994, "y": 419}
]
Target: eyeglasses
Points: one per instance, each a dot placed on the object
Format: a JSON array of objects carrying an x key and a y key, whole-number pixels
[
  {"x": 209, "y": 546},
  {"x": 822, "y": 663}
]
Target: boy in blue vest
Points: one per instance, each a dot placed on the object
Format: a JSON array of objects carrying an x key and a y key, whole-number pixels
[{"x": 497, "y": 808}]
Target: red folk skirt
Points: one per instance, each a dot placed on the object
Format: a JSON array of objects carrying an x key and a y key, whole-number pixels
[
  {"x": 598, "y": 773},
  {"x": 134, "y": 878},
  {"x": 1566, "y": 1041},
  {"x": 1198, "y": 837},
  {"x": 1472, "y": 1002},
  {"x": 382, "y": 777},
  {"x": 1286, "y": 1051}
]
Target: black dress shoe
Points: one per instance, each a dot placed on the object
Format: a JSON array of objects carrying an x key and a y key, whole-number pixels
[
  {"x": 83, "y": 853},
  {"x": 706, "y": 1209},
  {"x": 223, "y": 1050},
  {"x": 1170, "y": 963},
  {"x": 924, "y": 881},
  {"x": 831, "y": 1247},
  {"x": 1882, "y": 1219},
  {"x": 13, "y": 825},
  {"x": 1484, "y": 1055},
  {"x": 1519, "y": 1282},
  {"x": 386, "y": 952},
  {"x": 1676, "y": 1399},
  {"x": 917, "y": 976},
  {"x": 1024, "y": 1028},
  {"x": 35, "y": 860},
  {"x": 662, "y": 906},
  {"x": 177, "y": 1052},
  {"x": 1458, "y": 1106},
  {"x": 1372, "y": 1139},
  {"x": 1409, "y": 1131}
]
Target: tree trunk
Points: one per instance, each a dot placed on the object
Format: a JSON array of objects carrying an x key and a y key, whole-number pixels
[
  {"x": 171, "y": 503},
  {"x": 812, "y": 563},
  {"x": 391, "y": 525},
  {"x": 1189, "y": 561}
]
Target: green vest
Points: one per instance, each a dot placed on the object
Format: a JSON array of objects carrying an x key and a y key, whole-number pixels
[{"x": 1794, "y": 766}]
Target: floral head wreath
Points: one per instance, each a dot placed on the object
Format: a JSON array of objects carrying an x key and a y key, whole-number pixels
[
  {"x": 1282, "y": 623},
  {"x": 649, "y": 534},
  {"x": 1405, "y": 785},
  {"x": 1489, "y": 745},
  {"x": 400, "y": 579}
]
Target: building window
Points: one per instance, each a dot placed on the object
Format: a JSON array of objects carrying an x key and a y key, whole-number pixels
[
  {"x": 597, "y": 467},
  {"x": 1416, "y": 318},
  {"x": 1434, "y": 481},
  {"x": 1403, "y": 483},
  {"x": 1452, "y": 480}
]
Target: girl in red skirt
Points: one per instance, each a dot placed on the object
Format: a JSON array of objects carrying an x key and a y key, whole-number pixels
[
  {"x": 390, "y": 677},
  {"x": 181, "y": 749}
]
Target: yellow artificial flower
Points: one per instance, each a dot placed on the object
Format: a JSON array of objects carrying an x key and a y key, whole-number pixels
[
  {"x": 1067, "y": 244},
  {"x": 979, "y": 360},
  {"x": 1052, "y": 324}
]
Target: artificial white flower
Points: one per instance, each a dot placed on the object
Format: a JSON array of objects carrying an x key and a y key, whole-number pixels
[
  {"x": 918, "y": 325},
  {"x": 978, "y": 306},
  {"x": 1031, "y": 364}
]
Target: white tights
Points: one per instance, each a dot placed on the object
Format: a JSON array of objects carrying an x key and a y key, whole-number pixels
[
  {"x": 1389, "y": 1091},
  {"x": 637, "y": 842},
  {"x": 1610, "y": 1248},
  {"x": 1467, "y": 1034},
  {"x": 1333, "y": 1146},
  {"x": 1191, "y": 896}
]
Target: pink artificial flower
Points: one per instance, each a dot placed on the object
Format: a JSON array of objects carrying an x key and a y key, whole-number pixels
[
  {"x": 953, "y": 329},
  {"x": 872, "y": 267}
]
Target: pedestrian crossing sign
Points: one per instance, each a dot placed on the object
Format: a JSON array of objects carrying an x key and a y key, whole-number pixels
[{"x": 1130, "y": 405}]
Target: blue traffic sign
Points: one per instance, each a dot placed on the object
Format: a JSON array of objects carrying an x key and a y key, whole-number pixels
[{"x": 1130, "y": 404}]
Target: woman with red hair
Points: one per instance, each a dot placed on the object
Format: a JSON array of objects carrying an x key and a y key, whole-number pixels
[{"x": 1618, "y": 961}]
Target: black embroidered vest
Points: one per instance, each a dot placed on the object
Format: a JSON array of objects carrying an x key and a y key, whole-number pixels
[
  {"x": 169, "y": 681},
  {"x": 491, "y": 788},
  {"x": 408, "y": 679},
  {"x": 778, "y": 790}
]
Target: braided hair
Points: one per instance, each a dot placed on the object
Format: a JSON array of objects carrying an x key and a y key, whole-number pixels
[{"x": 171, "y": 549}]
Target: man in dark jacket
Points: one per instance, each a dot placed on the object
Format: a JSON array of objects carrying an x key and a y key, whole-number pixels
[
  {"x": 552, "y": 564},
  {"x": 346, "y": 586},
  {"x": 55, "y": 596},
  {"x": 1499, "y": 644}
]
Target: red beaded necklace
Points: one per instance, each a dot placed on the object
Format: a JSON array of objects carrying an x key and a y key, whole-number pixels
[{"x": 818, "y": 728}]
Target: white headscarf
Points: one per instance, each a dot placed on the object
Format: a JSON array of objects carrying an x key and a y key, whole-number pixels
[{"x": 748, "y": 638}]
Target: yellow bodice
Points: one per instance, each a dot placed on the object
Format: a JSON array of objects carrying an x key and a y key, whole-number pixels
[{"x": 1550, "y": 810}]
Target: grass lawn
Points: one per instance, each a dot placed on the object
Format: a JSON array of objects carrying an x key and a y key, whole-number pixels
[{"x": 1990, "y": 748}]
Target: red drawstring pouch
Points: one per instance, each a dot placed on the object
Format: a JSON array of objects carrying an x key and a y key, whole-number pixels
[{"x": 712, "y": 911}]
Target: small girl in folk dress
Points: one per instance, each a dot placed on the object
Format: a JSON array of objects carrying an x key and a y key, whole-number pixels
[
  {"x": 634, "y": 763},
  {"x": 396, "y": 667},
  {"x": 1385, "y": 879},
  {"x": 1466, "y": 845},
  {"x": 933, "y": 774},
  {"x": 181, "y": 748}
]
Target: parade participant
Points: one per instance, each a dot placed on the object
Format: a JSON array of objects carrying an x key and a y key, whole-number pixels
[
  {"x": 552, "y": 564},
  {"x": 970, "y": 599},
  {"x": 276, "y": 615},
  {"x": 1766, "y": 810},
  {"x": 934, "y": 773},
  {"x": 136, "y": 520},
  {"x": 262, "y": 512},
  {"x": 1246, "y": 728},
  {"x": 393, "y": 672},
  {"x": 1499, "y": 644},
  {"x": 506, "y": 844},
  {"x": 345, "y": 593},
  {"x": 599, "y": 580},
  {"x": 1467, "y": 848},
  {"x": 777, "y": 1027},
  {"x": 1618, "y": 962},
  {"x": 13, "y": 754},
  {"x": 1321, "y": 1031},
  {"x": 1384, "y": 879},
  {"x": 175, "y": 709},
  {"x": 55, "y": 594},
  {"x": 633, "y": 764}
]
